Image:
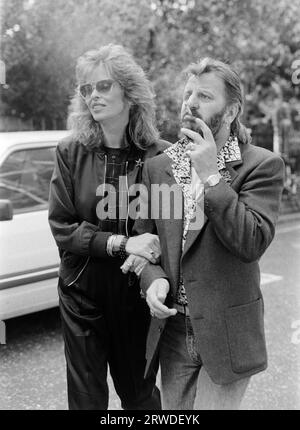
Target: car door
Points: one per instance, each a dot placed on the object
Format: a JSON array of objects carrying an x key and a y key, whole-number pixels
[{"x": 27, "y": 249}]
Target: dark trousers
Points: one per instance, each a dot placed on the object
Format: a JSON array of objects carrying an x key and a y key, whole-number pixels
[{"x": 105, "y": 322}]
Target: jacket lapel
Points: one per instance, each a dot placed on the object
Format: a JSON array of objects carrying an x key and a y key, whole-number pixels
[
  {"x": 173, "y": 226},
  {"x": 231, "y": 168},
  {"x": 193, "y": 234}
]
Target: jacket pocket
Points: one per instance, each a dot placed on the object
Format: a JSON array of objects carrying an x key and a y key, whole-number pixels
[
  {"x": 71, "y": 267},
  {"x": 245, "y": 331},
  {"x": 80, "y": 272}
]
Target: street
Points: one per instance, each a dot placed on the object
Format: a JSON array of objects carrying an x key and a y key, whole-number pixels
[{"x": 32, "y": 367}]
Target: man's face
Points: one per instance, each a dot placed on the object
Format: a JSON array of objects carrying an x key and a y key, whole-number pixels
[{"x": 204, "y": 97}]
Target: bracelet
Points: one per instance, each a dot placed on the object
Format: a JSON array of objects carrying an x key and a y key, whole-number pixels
[
  {"x": 122, "y": 250},
  {"x": 110, "y": 244},
  {"x": 114, "y": 253}
]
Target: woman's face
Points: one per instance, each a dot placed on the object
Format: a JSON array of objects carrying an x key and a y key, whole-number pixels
[{"x": 106, "y": 101}]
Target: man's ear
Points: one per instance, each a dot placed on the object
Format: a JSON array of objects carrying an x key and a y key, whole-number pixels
[{"x": 231, "y": 112}]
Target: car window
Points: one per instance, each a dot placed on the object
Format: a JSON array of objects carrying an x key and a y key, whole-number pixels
[{"x": 25, "y": 178}]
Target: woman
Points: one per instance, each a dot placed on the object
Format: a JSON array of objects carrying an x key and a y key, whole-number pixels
[{"x": 104, "y": 318}]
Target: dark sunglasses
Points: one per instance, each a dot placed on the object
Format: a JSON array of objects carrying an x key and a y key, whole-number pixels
[{"x": 102, "y": 87}]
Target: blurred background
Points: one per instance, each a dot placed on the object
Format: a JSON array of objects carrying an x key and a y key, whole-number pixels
[{"x": 40, "y": 42}]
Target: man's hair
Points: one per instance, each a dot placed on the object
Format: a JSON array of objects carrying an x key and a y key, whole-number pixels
[
  {"x": 233, "y": 89},
  {"x": 137, "y": 90}
]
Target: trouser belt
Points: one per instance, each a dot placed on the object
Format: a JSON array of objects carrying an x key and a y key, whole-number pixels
[{"x": 183, "y": 309}]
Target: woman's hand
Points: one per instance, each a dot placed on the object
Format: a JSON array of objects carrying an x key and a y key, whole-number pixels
[
  {"x": 134, "y": 263},
  {"x": 145, "y": 245}
]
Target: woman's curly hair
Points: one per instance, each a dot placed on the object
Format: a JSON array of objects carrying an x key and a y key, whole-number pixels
[{"x": 137, "y": 90}]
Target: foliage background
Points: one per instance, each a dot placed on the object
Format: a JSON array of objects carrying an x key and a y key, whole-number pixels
[{"x": 41, "y": 40}]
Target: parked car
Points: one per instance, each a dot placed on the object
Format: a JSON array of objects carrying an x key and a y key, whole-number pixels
[{"x": 28, "y": 253}]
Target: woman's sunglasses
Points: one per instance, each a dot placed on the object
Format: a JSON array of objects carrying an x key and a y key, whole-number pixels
[{"x": 102, "y": 87}]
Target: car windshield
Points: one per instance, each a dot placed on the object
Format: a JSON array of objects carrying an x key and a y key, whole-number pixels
[{"x": 25, "y": 178}]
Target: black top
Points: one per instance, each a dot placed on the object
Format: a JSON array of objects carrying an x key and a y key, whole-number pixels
[{"x": 116, "y": 167}]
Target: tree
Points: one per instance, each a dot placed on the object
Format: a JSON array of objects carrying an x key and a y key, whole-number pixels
[
  {"x": 40, "y": 56},
  {"x": 260, "y": 38}
]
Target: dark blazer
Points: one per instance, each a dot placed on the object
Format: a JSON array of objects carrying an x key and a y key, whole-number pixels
[{"x": 220, "y": 262}]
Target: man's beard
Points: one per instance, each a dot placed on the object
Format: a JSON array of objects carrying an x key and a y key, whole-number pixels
[{"x": 214, "y": 123}]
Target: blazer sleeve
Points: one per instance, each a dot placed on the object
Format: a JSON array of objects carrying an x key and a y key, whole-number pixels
[
  {"x": 151, "y": 272},
  {"x": 79, "y": 237},
  {"x": 245, "y": 222}
]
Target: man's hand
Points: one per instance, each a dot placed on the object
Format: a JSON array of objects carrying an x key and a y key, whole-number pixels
[
  {"x": 156, "y": 296},
  {"x": 145, "y": 245},
  {"x": 202, "y": 150},
  {"x": 134, "y": 263}
]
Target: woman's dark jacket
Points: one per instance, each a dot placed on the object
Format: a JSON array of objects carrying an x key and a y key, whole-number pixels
[{"x": 75, "y": 226}]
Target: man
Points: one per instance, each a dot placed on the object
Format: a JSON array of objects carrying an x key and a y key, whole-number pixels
[{"x": 205, "y": 297}]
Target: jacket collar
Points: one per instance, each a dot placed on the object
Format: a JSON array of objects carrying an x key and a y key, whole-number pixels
[{"x": 231, "y": 164}]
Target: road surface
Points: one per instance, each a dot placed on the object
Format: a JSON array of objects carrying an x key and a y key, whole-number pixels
[{"x": 32, "y": 367}]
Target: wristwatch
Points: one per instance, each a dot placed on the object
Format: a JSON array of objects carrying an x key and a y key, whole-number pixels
[
  {"x": 122, "y": 250},
  {"x": 212, "y": 180}
]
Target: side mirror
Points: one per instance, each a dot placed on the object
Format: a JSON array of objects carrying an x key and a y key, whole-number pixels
[{"x": 6, "y": 210}]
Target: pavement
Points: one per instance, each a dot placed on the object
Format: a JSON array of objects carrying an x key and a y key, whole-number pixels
[
  {"x": 32, "y": 365},
  {"x": 289, "y": 217},
  {"x": 278, "y": 388},
  {"x": 290, "y": 209}
]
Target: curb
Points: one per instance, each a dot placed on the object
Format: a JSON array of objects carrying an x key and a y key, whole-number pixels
[{"x": 295, "y": 216}]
